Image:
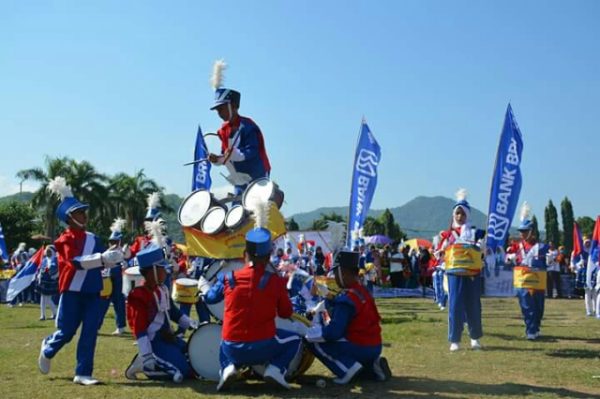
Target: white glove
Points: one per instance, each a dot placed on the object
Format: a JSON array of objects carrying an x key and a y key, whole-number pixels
[
  {"x": 111, "y": 257},
  {"x": 237, "y": 155},
  {"x": 186, "y": 322},
  {"x": 203, "y": 285},
  {"x": 314, "y": 334}
]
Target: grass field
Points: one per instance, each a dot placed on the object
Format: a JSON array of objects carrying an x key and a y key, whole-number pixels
[{"x": 564, "y": 363}]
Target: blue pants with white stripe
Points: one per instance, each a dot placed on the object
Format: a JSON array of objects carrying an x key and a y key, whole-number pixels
[
  {"x": 441, "y": 297},
  {"x": 172, "y": 352},
  {"x": 464, "y": 296},
  {"x": 75, "y": 309},
  {"x": 339, "y": 356},
  {"x": 278, "y": 351},
  {"x": 532, "y": 308}
]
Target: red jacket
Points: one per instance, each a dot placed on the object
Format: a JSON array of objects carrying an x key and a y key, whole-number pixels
[
  {"x": 250, "y": 311},
  {"x": 364, "y": 328}
]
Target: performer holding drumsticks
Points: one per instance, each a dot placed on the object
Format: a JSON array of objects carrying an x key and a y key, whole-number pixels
[{"x": 243, "y": 149}]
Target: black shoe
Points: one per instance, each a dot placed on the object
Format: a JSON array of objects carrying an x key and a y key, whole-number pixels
[{"x": 382, "y": 369}]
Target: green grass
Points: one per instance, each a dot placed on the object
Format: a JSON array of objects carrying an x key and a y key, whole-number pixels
[{"x": 562, "y": 364}]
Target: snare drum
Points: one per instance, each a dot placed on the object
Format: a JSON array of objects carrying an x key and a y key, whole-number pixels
[
  {"x": 525, "y": 277},
  {"x": 107, "y": 287},
  {"x": 217, "y": 310},
  {"x": 463, "y": 259},
  {"x": 203, "y": 351},
  {"x": 235, "y": 217},
  {"x": 185, "y": 290},
  {"x": 266, "y": 190},
  {"x": 131, "y": 278},
  {"x": 214, "y": 220},
  {"x": 194, "y": 207},
  {"x": 304, "y": 358}
]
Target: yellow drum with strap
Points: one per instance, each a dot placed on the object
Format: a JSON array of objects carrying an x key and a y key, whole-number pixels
[
  {"x": 463, "y": 259},
  {"x": 7, "y": 274},
  {"x": 107, "y": 287},
  {"x": 329, "y": 282},
  {"x": 525, "y": 277},
  {"x": 185, "y": 290}
]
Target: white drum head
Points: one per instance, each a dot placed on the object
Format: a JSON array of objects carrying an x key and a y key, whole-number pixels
[
  {"x": 217, "y": 310},
  {"x": 261, "y": 188},
  {"x": 213, "y": 220},
  {"x": 203, "y": 351},
  {"x": 194, "y": 208},
  {"x": 234, "y": 216},
  {"x": 186, "y": 282},
  {"x": 133, "y": 271}
]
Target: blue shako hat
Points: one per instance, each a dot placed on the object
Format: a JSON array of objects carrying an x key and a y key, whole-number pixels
[
  {"x": 461, "y": 202},
  {"x": 258, "y": 242},
  {"x": 153, "y": 211},
  {"x": 68, "y": 202},
  {"x": 347, "y": 259},
  {"x": 222, "y": 94},
  {"x": 116, "y": 230},
  {"x": 152, "y": 255},
  {"x": 526, "y": 222}
]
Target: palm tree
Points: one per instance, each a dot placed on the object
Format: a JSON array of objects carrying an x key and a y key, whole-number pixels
[
  {"x": 89, "y": 186},
  {"x": 42, "y": 199}
]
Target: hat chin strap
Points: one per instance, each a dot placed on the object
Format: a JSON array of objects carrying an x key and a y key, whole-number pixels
[
  {"x": 339, "y": 273},
  {"x": 155, "y": 274},
  {"x": 81, "y": 226},
  {"x": 230, "y": 111}
]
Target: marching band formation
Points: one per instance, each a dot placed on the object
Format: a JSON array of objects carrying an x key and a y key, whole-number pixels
[{"x": 258, "y": 312}]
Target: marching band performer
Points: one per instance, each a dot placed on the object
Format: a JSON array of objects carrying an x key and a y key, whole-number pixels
[
  {"x": 47, "y": 279},
  {"x": 464, "y": 284},
  {"x": 152, "y": 213},
  {"x": 116, "y": 278},
  {"x": 149, "y": 312},
  {"x": 243, "y": 149},
  {"x": 531, "y": 255},
  {"x": 579, "y": 265},
  {"x": 249, "y": 334},
  {"x": 351, "y": 342},
  {"x": 80, "y": 259}
]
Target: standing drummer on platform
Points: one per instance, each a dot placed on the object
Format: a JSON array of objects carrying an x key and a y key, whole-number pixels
[{"x": 243, "y": 149}]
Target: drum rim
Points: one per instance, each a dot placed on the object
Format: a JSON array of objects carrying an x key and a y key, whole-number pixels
[
  {"x": 133, "y": 271},
  {"x": 187, "y": 278},
  {"x": 253, "y": 184},
  {"x": 239, "y": 221},
  {"x": 213, "y": 209},
  {"x": 187, "y": 344},
  {"x": 185, "y": 201}
]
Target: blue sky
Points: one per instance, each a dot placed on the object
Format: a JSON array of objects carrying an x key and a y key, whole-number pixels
[{"x": 124, "y": 85}]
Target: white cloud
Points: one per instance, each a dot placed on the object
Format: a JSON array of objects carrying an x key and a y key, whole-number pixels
[{"x": 9, "y": 186}]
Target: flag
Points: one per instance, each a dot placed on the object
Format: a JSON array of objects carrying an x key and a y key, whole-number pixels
[
  {"x": 3, "y": 251},
  {"x": 506, "y": 182},
  {"x": 592, "y": 263},
  {"x": 201, "y": 174},
  {"x": 364, "y": 179},
  {"x": 577, "y": 244},
  {"x": 25, "y": 276}
]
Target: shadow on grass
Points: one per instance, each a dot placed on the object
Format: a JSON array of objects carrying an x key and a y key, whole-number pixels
[
  {"x": 492, "y": 348},
  {"x": 575, "y": 353}
]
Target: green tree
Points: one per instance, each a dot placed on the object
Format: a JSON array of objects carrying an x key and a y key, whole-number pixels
[
  {"x": 19, "y": 222},
  {"x": 566, "y": 211},
  {"x": 551, "y": 224},
  {"x": 291, "y": 225},
  {"x": 535, "y": 230},
  {"x": 322, "y": 222},
  {"x": 586, "y": 224},
  {"x": 390, "y": 227},
  {"x": 373, "y": 226}
]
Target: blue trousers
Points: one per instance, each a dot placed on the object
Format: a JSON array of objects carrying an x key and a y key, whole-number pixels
[
  {"x": 201, "y": 310},
  {"x": 278, "y": 351},
  {"x": 339, "y": 356},
  {"x": 173, "y": 352},
  {"x": 441, "y": 298},
  {"x": 464, "y": 296},
  {"x": 117, "y": 299},
  {"x": 75, "y": 309},
  {"x": 532, "y": 308}
]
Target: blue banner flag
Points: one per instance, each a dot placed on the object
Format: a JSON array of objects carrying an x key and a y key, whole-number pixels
[
  {"x": 25, "y": 276},
  {"x": 3, "y": 251},
  {"x": 201, "y": 175},
  {"x": 364, "y": 179},
  {"x": 506, "y": 182}
]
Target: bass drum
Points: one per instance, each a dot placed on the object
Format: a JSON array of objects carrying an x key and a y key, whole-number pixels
[
  {"x": 217, "y": 310},
  {"x": 264, "y": 189},
  {"x": 203, "y": 351},
  {"x": 194, "y": 207},
  {"x": 304, "y": 358}
]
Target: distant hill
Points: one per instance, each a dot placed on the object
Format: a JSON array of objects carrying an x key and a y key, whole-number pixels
[
  {"x": 25, "y": 196},
  {"x": 421, "y": 217}
]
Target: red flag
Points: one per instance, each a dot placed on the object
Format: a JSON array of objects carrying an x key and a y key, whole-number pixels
[{"x": 577, "y": 240}]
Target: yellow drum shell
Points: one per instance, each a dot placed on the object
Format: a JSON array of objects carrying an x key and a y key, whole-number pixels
[
  {"x": 185, "y": 290},
  {"x": 463, "y": 258},
  {"x": 525, "y": 277},
  {"x": 107, "y": 287}
]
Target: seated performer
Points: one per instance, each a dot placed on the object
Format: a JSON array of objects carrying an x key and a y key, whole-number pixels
[
  {"x": 249, "y": 333},
  {"x": 532, "y": 255},
  {"x": 149, "y": 313},
  {"x": 351, "y": 342},
  {"x": 464, "y": 284},
  {"x": 243, "y": 149},
  {"x": 152, "y": 213},
  {"x": 79, "y": 263}
]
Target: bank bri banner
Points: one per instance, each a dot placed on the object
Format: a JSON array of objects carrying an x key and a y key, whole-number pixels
[
  {"x": 506, "y": 182},
  {"x": 364, "y": 179},
  {"x": 201, "y": 174}
]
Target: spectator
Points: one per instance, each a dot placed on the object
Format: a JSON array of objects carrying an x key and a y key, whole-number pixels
[{"x": 553, "y": 272}]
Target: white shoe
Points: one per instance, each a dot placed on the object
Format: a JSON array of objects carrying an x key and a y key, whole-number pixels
[
  {"x": 475, "y": 344},
  {"x": 442, "y": 308},
  {"x": 454, "y": 346},
  {"x": 273, "y": 374},
  {"x": 118, "y": 331},
  {"x": 352, "y": 371},
  {"x": 85, "y": 380},
  {"x": 531, "y": 337},
  {"x": 228, "y": 374},
  {"x": 381, "y": 368},
  {"x": 43, "y": 361}
]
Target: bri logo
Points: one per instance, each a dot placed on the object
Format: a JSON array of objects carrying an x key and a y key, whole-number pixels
[
  {"x": 497, "y": 226},
  {"x": 367, "y": 163}
]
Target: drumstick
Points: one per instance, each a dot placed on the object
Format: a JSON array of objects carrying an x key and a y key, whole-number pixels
[{"x": 201, "y": 159}]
